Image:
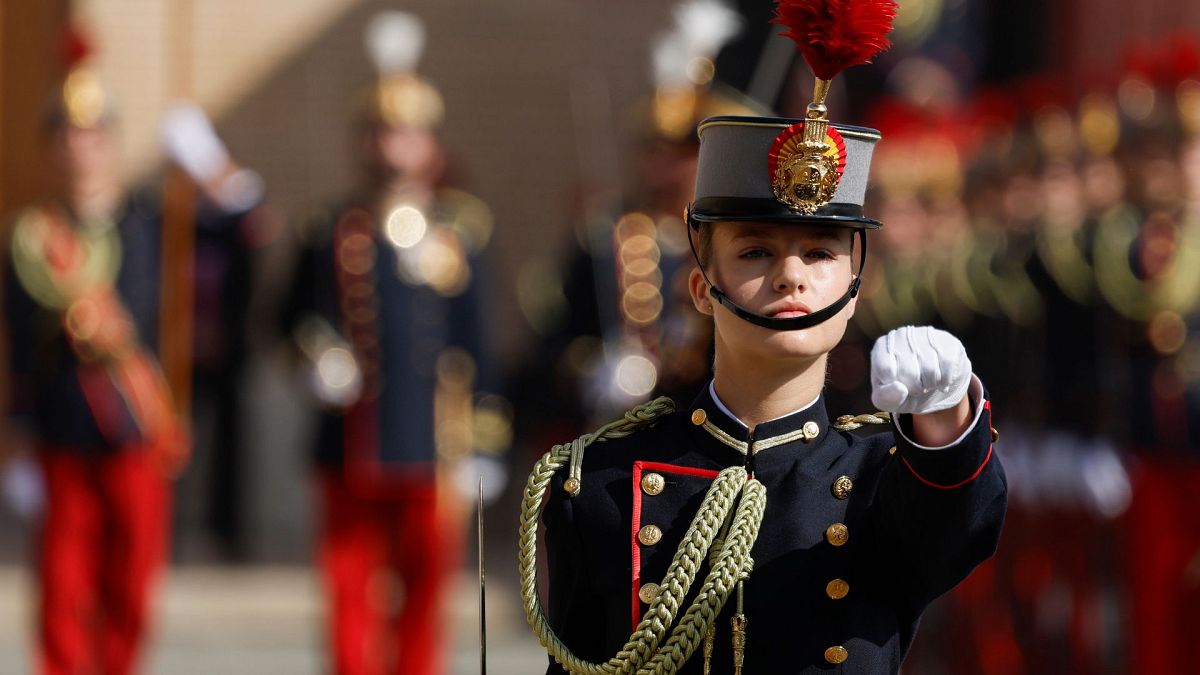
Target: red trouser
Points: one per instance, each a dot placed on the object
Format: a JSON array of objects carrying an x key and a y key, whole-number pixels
[
  {"x": 1164, "y": 567},
  {"x": 103, "y": 542},
  {"x": 365, "y": 544}
]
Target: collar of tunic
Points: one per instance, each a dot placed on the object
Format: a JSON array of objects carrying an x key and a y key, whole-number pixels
[{"x": 808, "y": 424}]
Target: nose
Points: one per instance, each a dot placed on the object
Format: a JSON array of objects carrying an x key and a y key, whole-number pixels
[{"x": 790, "y": 275}]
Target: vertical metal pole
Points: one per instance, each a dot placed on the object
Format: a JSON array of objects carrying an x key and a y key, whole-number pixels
[{"x": 482, "y": 589}]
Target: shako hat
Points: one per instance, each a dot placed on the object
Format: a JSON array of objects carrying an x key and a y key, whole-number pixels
[{"x": 806, "y": 170}]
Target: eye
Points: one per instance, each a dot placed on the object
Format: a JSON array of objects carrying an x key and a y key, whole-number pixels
[
  {"x": 821, "y": 254},
  {"x": 755, "y": 252}
]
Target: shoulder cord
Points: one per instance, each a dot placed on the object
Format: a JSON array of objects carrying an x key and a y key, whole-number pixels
[{"x": 642, "y": 653}]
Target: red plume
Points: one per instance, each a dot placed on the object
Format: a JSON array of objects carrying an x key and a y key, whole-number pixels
[
  {"x": 836, "y": 34},
  {"x": 77, "y": 46}
]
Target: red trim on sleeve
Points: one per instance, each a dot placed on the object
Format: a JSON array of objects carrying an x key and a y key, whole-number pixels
[
  {"x": 636, "y": 520},
  {"x": 987, "y": 405}
]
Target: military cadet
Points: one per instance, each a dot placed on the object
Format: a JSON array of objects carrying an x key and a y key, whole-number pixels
[
  {"x": 387, "y": 309},
  {"x": 749, "y": 532},
  {"x": 85, "y": 315}
]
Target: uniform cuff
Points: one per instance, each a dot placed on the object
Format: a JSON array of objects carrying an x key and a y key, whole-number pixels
[
  {"x": 957, "y": 464},
  {"x": 975, "y": 394}
]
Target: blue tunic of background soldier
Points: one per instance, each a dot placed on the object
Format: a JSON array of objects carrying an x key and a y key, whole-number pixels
[
  {"x": 386, "y": 308},
  {"x": 749, "y": 532}
]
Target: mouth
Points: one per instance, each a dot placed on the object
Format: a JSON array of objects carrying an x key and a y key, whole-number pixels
[{"x": 789, "y": 311}]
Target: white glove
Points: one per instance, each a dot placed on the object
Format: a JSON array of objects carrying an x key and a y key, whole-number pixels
[
  {"x": 24, "y": 487},
  {"x": 917, "y": 370},
  {"x": 190, "y": 140}
]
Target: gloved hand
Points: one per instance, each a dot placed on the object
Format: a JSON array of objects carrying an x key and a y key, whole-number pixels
[
  {"x": 917, "y": 370},
  {"x": 24, "y": 487},
  {"x": 189, "y": 139}
]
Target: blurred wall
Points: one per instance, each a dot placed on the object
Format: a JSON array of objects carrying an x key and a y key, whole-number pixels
[{"x": 29, "y": 35}]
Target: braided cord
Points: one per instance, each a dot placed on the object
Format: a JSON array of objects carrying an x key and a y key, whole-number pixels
[{"x": 724, "y": 538}]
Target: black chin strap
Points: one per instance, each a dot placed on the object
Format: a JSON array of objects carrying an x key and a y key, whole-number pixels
[{"x": 791, "y": 323}]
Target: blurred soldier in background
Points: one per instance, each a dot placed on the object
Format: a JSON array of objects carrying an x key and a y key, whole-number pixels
[
  {"x": 87, "y": 320},
  {"x": 628, "y": 329},
  {"x": 386, "y": 308}
]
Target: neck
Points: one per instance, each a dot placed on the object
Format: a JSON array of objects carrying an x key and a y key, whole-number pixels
[
  {"x": 415, "y": 192},
  {"x": 94, "y": 201},
  {"x": 759, "y": 390}
]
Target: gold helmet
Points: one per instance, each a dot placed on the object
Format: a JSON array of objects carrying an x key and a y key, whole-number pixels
[{"x": 394, "y": 42}]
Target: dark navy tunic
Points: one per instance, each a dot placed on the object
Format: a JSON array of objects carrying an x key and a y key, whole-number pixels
[
  {"x": 918, "y": 521},
  {"x": 46, "y": 392},
  {"x": 415, "y": 324}
]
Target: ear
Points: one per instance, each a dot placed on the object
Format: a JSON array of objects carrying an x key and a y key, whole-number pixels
[
  {"x": 698, "y": 288},
  {"x": 853, "y": 302}
]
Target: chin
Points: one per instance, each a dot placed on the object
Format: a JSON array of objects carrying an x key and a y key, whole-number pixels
[{"x": 801, "y": 344}]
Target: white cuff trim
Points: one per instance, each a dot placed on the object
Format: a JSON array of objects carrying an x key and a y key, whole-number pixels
[{"x": 975, "y": 391}]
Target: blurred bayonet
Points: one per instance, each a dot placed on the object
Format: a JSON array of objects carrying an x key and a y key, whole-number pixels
[{"x": 482, "y": 588}]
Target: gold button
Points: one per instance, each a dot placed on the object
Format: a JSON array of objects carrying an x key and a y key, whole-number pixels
[
  {"x": 837, "y": 534},
  {"x": 699, "y": 416},
  {"x": 571, "y": 485},
  {"x": 892, "y": 450},
  {"x": 811, "y": 430},
  {"x": 842, "y": 487},
  {"x": 995, "y": 434},
  {"x": 836, "y": 655},
  {"x": 653, "y": 483},
  {"x": 649, "y": 535},
  {"x": 837, "y": 589},
  {"x": 648, "y": 593}
]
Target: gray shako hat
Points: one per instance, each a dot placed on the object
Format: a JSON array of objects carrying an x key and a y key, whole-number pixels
[{"x": 752, "y": 168}]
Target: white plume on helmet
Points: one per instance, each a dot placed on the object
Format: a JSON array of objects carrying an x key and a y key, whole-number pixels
[
  {"x": 395, "y": 41},
  {"x": 702, "y": 28}
]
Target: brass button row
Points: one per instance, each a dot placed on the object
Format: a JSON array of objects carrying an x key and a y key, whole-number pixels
[
  {"x": 810, "y": 430},
  {"x": 837, "y": 534},
  {"x": 836, "y": 654},
  {"x": 842, "y": 487},
  {"x": 653, "y": 483},
  {"x": 649, "y": 535},
  {"x": 648, "y": 592}
]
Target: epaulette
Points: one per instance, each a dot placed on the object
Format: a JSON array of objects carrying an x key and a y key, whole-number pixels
[
  {"x": 852, "y": 422},
  {"x": 467, "y": 216},
  {"x": 637, "y": 418}
]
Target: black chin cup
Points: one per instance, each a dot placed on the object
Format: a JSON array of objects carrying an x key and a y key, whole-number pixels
[{"x": 790, "y": 323}]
